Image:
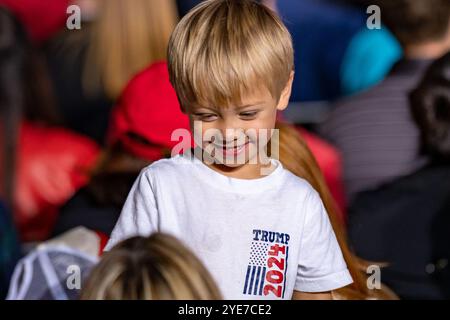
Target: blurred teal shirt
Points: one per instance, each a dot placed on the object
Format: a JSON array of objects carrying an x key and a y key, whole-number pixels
[{"x": 370, "y": 56}]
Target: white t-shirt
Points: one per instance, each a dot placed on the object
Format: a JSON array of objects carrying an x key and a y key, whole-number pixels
[{"x": 260, "y": 238}]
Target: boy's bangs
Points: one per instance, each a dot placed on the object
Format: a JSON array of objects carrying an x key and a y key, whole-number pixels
[
  {"x": 224, "y": 83},
  {"x": 224, "y": 51}
]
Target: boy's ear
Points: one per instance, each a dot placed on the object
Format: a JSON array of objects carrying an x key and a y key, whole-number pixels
[{"x": 286, "y": 94}]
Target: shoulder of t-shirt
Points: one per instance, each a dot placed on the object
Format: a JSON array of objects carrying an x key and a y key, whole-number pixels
[
  {"x": 166, "y": 165},
  {"x": 302, "y": 186}
]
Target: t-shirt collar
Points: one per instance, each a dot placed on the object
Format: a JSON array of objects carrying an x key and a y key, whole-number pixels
[{"x": 218, "y": 180}]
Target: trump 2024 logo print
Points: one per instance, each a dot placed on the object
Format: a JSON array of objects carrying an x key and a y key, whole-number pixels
[{"x": 266, "y": 270}]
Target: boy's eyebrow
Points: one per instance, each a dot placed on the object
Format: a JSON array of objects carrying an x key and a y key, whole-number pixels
[
  {"x": 253, "y": 104},
  {"x": 196, "y": 109}
]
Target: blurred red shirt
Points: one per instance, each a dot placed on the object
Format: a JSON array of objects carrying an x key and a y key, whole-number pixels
[{"x": 52, "y": 164}]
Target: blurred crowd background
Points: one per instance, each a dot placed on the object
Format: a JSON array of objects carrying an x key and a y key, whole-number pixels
[{"x": 81, "y": 114}]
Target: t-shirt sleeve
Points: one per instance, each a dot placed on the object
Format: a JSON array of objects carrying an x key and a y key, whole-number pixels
[
  {"x": 139, "y": 215},
  {"x": 321, "y": 266}
]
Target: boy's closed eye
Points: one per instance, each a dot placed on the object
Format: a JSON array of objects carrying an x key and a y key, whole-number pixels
[
  {"x": 248, "y": 115},
  {"x": 206, "y": 117}
]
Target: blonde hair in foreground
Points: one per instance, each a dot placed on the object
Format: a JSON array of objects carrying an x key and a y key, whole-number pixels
[
  {"x": 224, "y": 49},
  {"x": 128, "y": 35},
  {"x": 158, "y": 267}
]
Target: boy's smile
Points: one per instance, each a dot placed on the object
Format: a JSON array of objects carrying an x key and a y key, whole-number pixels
[{"x": 232, "y": 149}]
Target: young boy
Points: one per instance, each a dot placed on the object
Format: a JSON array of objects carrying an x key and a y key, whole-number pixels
[{"x": 261, "y": 231}]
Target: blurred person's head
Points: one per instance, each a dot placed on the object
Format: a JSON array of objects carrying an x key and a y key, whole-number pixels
[
  {"x": 296, "y": 157},
  {"x": 140, "y": 132},
  {"x": 158, "y": 267},
  {"x": 127, "y": 36},
  {"x": 422, "y": 27},
  {"x": 430, "y": 105},
  {"x": 24, "y": 82},
  {"x": 25, "y": 92},
  {"x": 231, "y": 64}
]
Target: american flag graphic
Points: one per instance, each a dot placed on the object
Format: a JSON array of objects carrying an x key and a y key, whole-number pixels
[{"x": 258, "y": 268}]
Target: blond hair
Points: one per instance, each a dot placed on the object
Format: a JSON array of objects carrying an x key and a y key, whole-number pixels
[
  {"x": 158, "y": 267},
  {"x": 224, "y": 49},
  {"x": 127, "y": 36}
]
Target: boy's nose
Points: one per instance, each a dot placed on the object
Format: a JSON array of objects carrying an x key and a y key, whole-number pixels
[
  {"x": 230, "y": 123},
  {"x": 231, "y": 136}
]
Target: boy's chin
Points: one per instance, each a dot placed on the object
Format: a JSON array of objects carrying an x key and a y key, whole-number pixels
[
  {"x": 230, "y": 163},
  {"x": 235, "y": 163}
]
